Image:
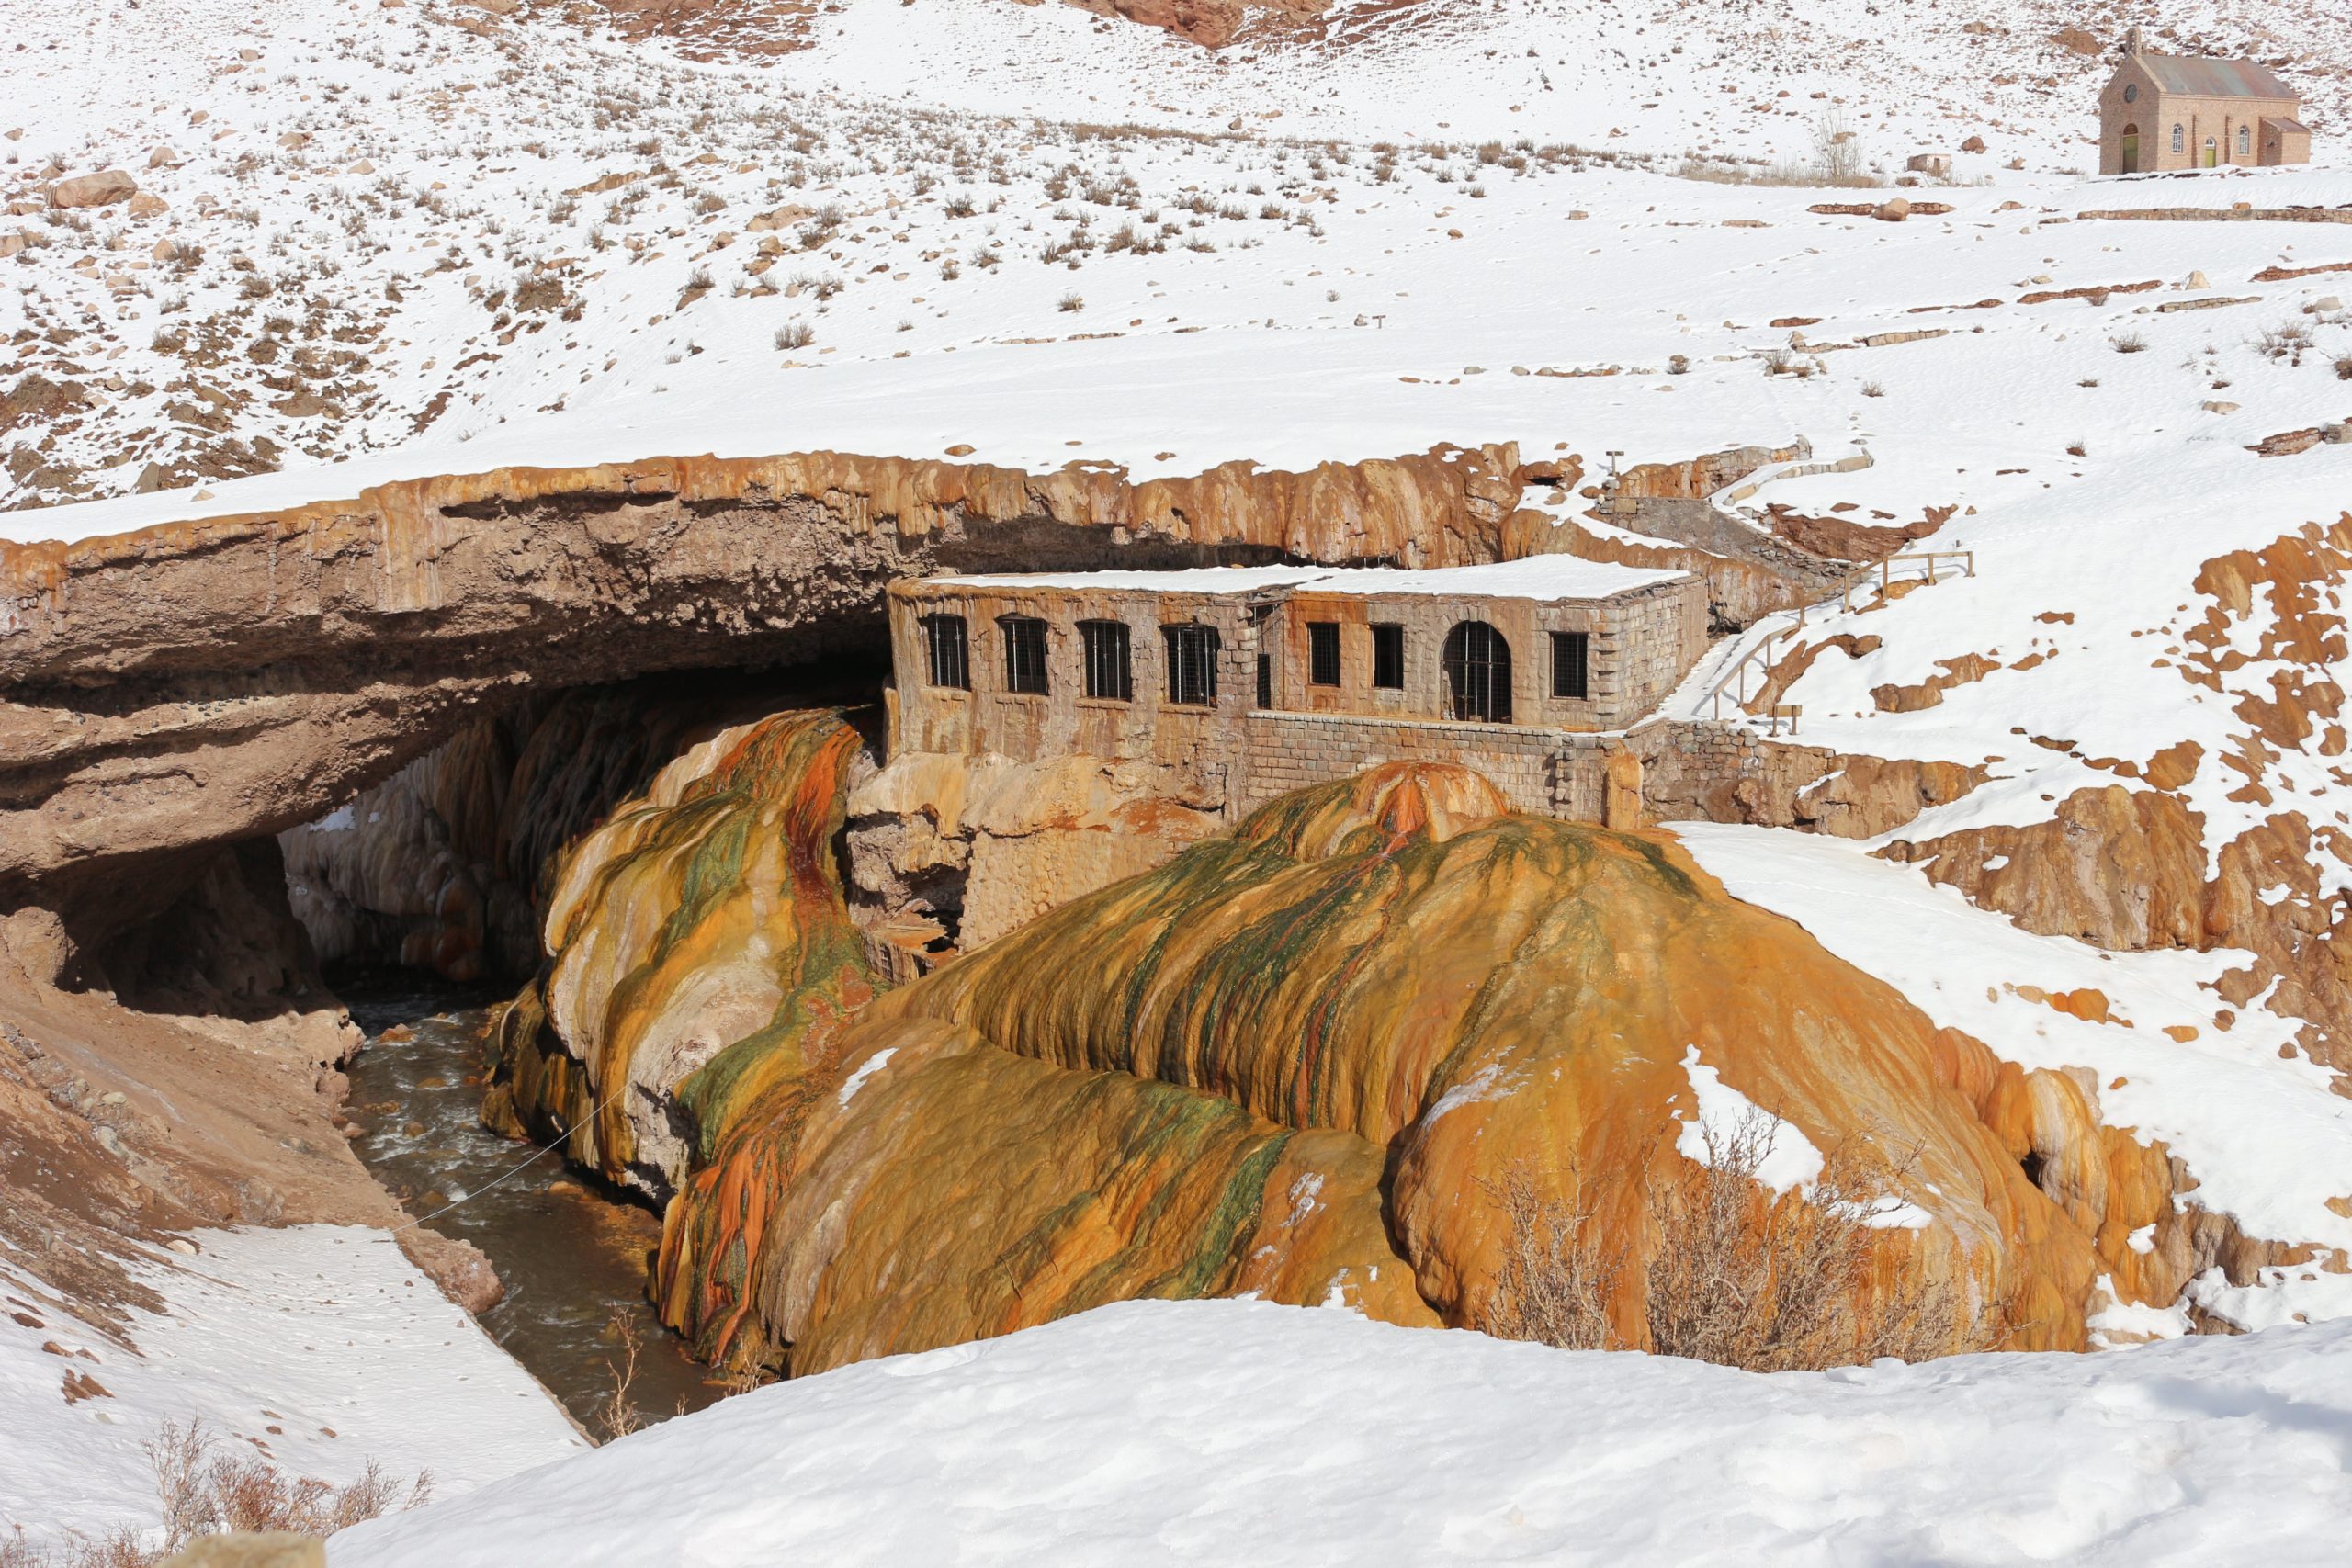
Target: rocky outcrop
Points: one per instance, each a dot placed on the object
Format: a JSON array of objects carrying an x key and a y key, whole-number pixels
[
  {"x": 101, "y": 189},
  {"x": 2135, "y": 865},
  {"x": 982, "y": 845},
  {"x": 200, "y": 683}
]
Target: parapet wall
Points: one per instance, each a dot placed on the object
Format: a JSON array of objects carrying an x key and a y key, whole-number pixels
[{"x": 1542, "y": 771}]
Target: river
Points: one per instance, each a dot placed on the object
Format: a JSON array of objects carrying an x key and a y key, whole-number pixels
[{"x": 571, "y": 1253}]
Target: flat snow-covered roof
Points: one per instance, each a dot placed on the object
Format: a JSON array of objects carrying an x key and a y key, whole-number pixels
[{"x": 1538, "y": 577}]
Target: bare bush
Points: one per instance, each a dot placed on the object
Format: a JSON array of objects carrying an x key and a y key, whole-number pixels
[
  {"x": 1556, "y": 1279},
  {"x": 1734, "y": 1274},
  {"x": 619, "y": 1414},
  {"x": 2289, "y": 341},
  {"x": 2128, "y": 342},
  {"x": 205, "y": 1492},
  {"x": 1838, "y": 150},
  {"x": 2343, "y": 366},
  {"x": 794, "y": 334}
]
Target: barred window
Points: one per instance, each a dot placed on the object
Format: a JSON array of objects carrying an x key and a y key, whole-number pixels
[
  {"x": 1388, "y": 658},
  {"x": 1265, "y": 681},
  {"x": 1108, "y": 674},
  {"x": 1571, "y": 663},
  {"x": 1323, "y": 653},
  {"x": 1477, "y": 673},
  {"x": 950, "y": 657},
  {"x": 1025, "y": 654},
  {"x": 1192, "y": 664},
  {"x": 2245, "y": 140},
  {"x": 2179, "y": 140}
]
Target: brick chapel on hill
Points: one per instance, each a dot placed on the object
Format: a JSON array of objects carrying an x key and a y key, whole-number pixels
[{"x": 2165, "y": 111}]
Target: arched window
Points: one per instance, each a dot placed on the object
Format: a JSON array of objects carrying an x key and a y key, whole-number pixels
[
  {"x": 2179, "y": 140},
  {"x": 2245, "y": 140},
  {"x": 1477, "y": 673}
]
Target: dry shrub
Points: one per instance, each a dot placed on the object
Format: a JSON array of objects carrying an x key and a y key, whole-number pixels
[
  {"x": 2289, "y": 342},
  {"x": 1734, "y": 1276},
  {"x": 1556, "y": 1278},
  {"x": 204, "y": 1492},
  {"x": 619, "y": 1414}
]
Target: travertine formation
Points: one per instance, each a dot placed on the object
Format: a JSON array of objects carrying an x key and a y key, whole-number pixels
[
  {"x": 1300, "y": 1057},
  {"x": 702, "y": 918}
]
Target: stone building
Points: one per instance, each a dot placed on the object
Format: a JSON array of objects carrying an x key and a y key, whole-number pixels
[
  {"x": 2165, "y": 111},
  {"x": 1250, "y": 681}
]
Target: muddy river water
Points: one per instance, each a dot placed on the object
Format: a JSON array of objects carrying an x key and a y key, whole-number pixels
[{"x": 572, "y": 1255}]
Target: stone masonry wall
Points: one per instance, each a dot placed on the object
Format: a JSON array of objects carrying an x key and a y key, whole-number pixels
[{"x": 1541, "y": 772}]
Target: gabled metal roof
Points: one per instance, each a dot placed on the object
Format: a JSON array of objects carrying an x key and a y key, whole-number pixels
[
  {"x": 2281, "y": 122},
  {"x": 2205, "y": 78}
]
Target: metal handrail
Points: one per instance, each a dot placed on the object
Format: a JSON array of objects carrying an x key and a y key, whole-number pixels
[{"x": 1931, "y": 559}]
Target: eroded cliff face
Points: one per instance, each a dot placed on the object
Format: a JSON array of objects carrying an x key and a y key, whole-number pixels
[
  {"x": 449, "y": 864},
  {"x": 201, "y": 682}
]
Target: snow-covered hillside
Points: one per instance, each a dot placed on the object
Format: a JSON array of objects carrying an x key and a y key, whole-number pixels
[
  {"x": 1222, "y": 1432},
  {"x": 399, "y": 229},
  {"x": 319, "y": 1347}
]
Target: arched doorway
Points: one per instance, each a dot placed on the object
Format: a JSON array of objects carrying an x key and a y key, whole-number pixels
[
  {"x": 2130, "y": 164},
  {"x": 2212, "y": 159},
  {"x": 1477, "y": 673}
]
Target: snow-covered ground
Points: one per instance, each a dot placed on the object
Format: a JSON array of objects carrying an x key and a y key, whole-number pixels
[
  {"x": 1225, "y": 1432},
  {"x": 458, "y": 249},
  {"x": 320, "y": 1346}
]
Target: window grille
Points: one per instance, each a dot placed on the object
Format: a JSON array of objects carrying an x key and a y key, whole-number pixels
[
  {"x": 1108, "y": 674},
  {"x": 1265, "y": 681},
  {"x": 1025, "y": 654},
  {"x": 2245, "y": 140},
  {"x": 1477, "y": 673},
  {"x": 1388, "y": 658},
  {"x": 944, "y": 640},
  {"x": 2179, "y": 140},
  {"x": 1571, "y": 663},
  {"x": 1323, "y": 653},
  {"x": 1192, "y": 664}
]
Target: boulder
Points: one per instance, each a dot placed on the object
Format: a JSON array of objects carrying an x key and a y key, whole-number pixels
[
  {"x": 102, "y": 189},
  {"x": 1974, "y": 144},
  {"x": 274, "y": 1550},
  {"x": 1893, "y": 211},
  {"x": 147, "y": 204},
  {"x": 162, "y": 158}
]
